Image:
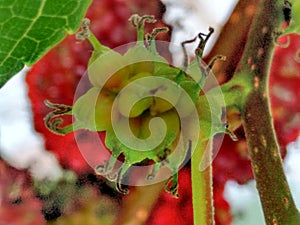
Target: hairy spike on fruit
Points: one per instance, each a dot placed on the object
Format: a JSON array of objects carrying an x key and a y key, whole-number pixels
[
  {"x": 107, "y": 169},
  {"x": 185, "y": 55},
  {"x": 230, "y": 133},
  {"x": 151, "y": 38},
  {"x": 206, "y": 69},
  {"x": 215, "y": 59},
  {"x": 200, "y": 49},
  {"x": 121, "y": 178},
  {"x": 196, "y": 69},
  {"x": 154, "y": 171},
  {"x": 101, "y": 169},
  {"x": 172, "y": 185},
  {"x": 54, "y": 119},
  {"x": 85, "y": 30},
  {"x": 139, "y": 22},
  {"x": 86, "y": 33}
]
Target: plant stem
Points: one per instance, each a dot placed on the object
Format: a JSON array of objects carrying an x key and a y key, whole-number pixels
[
  {"x": 202, "y": 187},
  {"x": 277, "y": 202}
]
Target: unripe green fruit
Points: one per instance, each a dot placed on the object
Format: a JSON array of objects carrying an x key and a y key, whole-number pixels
[
  {"x": 139, "y": 59},
  {"x": 93, "y": 110},
  {"x": 109, "y": 71},
  {"x": 125, "y": 100},
  {"x": 172, "y": 123},
  {"x": 159, "y": 106},
  {"x": 141, "y": 67},
  {"x": 168, "y": 94},
  {"x": 129, "y": 95},
  {"x": 138, "y": 76},
  {"x": 117, "y": 80}
]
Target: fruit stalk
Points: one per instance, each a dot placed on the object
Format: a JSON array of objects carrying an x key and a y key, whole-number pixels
[{"x": 202, "y": 187}]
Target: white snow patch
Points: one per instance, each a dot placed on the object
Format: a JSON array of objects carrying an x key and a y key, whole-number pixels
[{"x": 20, "y": 145}]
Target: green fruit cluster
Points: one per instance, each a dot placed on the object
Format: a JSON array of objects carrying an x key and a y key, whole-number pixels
[{"x": 141, "y": 102}]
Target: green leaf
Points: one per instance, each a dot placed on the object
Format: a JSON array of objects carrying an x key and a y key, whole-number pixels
[{"x": 29, "y": 28}]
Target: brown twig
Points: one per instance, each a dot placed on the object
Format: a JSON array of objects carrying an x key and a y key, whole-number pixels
[
  {"x": 232, "y": 39},
  {"x": 253, "y": 75}
]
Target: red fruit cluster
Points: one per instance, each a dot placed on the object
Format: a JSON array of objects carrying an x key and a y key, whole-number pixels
[
  {"x": 231, "y": 163},
  {"x": 284, "y": 90}
]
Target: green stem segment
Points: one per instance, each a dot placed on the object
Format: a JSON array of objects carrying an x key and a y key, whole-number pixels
[
  {"x": 97, "y": 46},
  {"x": 277, "y": 202},
  {"x": 202, "y": 187}
]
